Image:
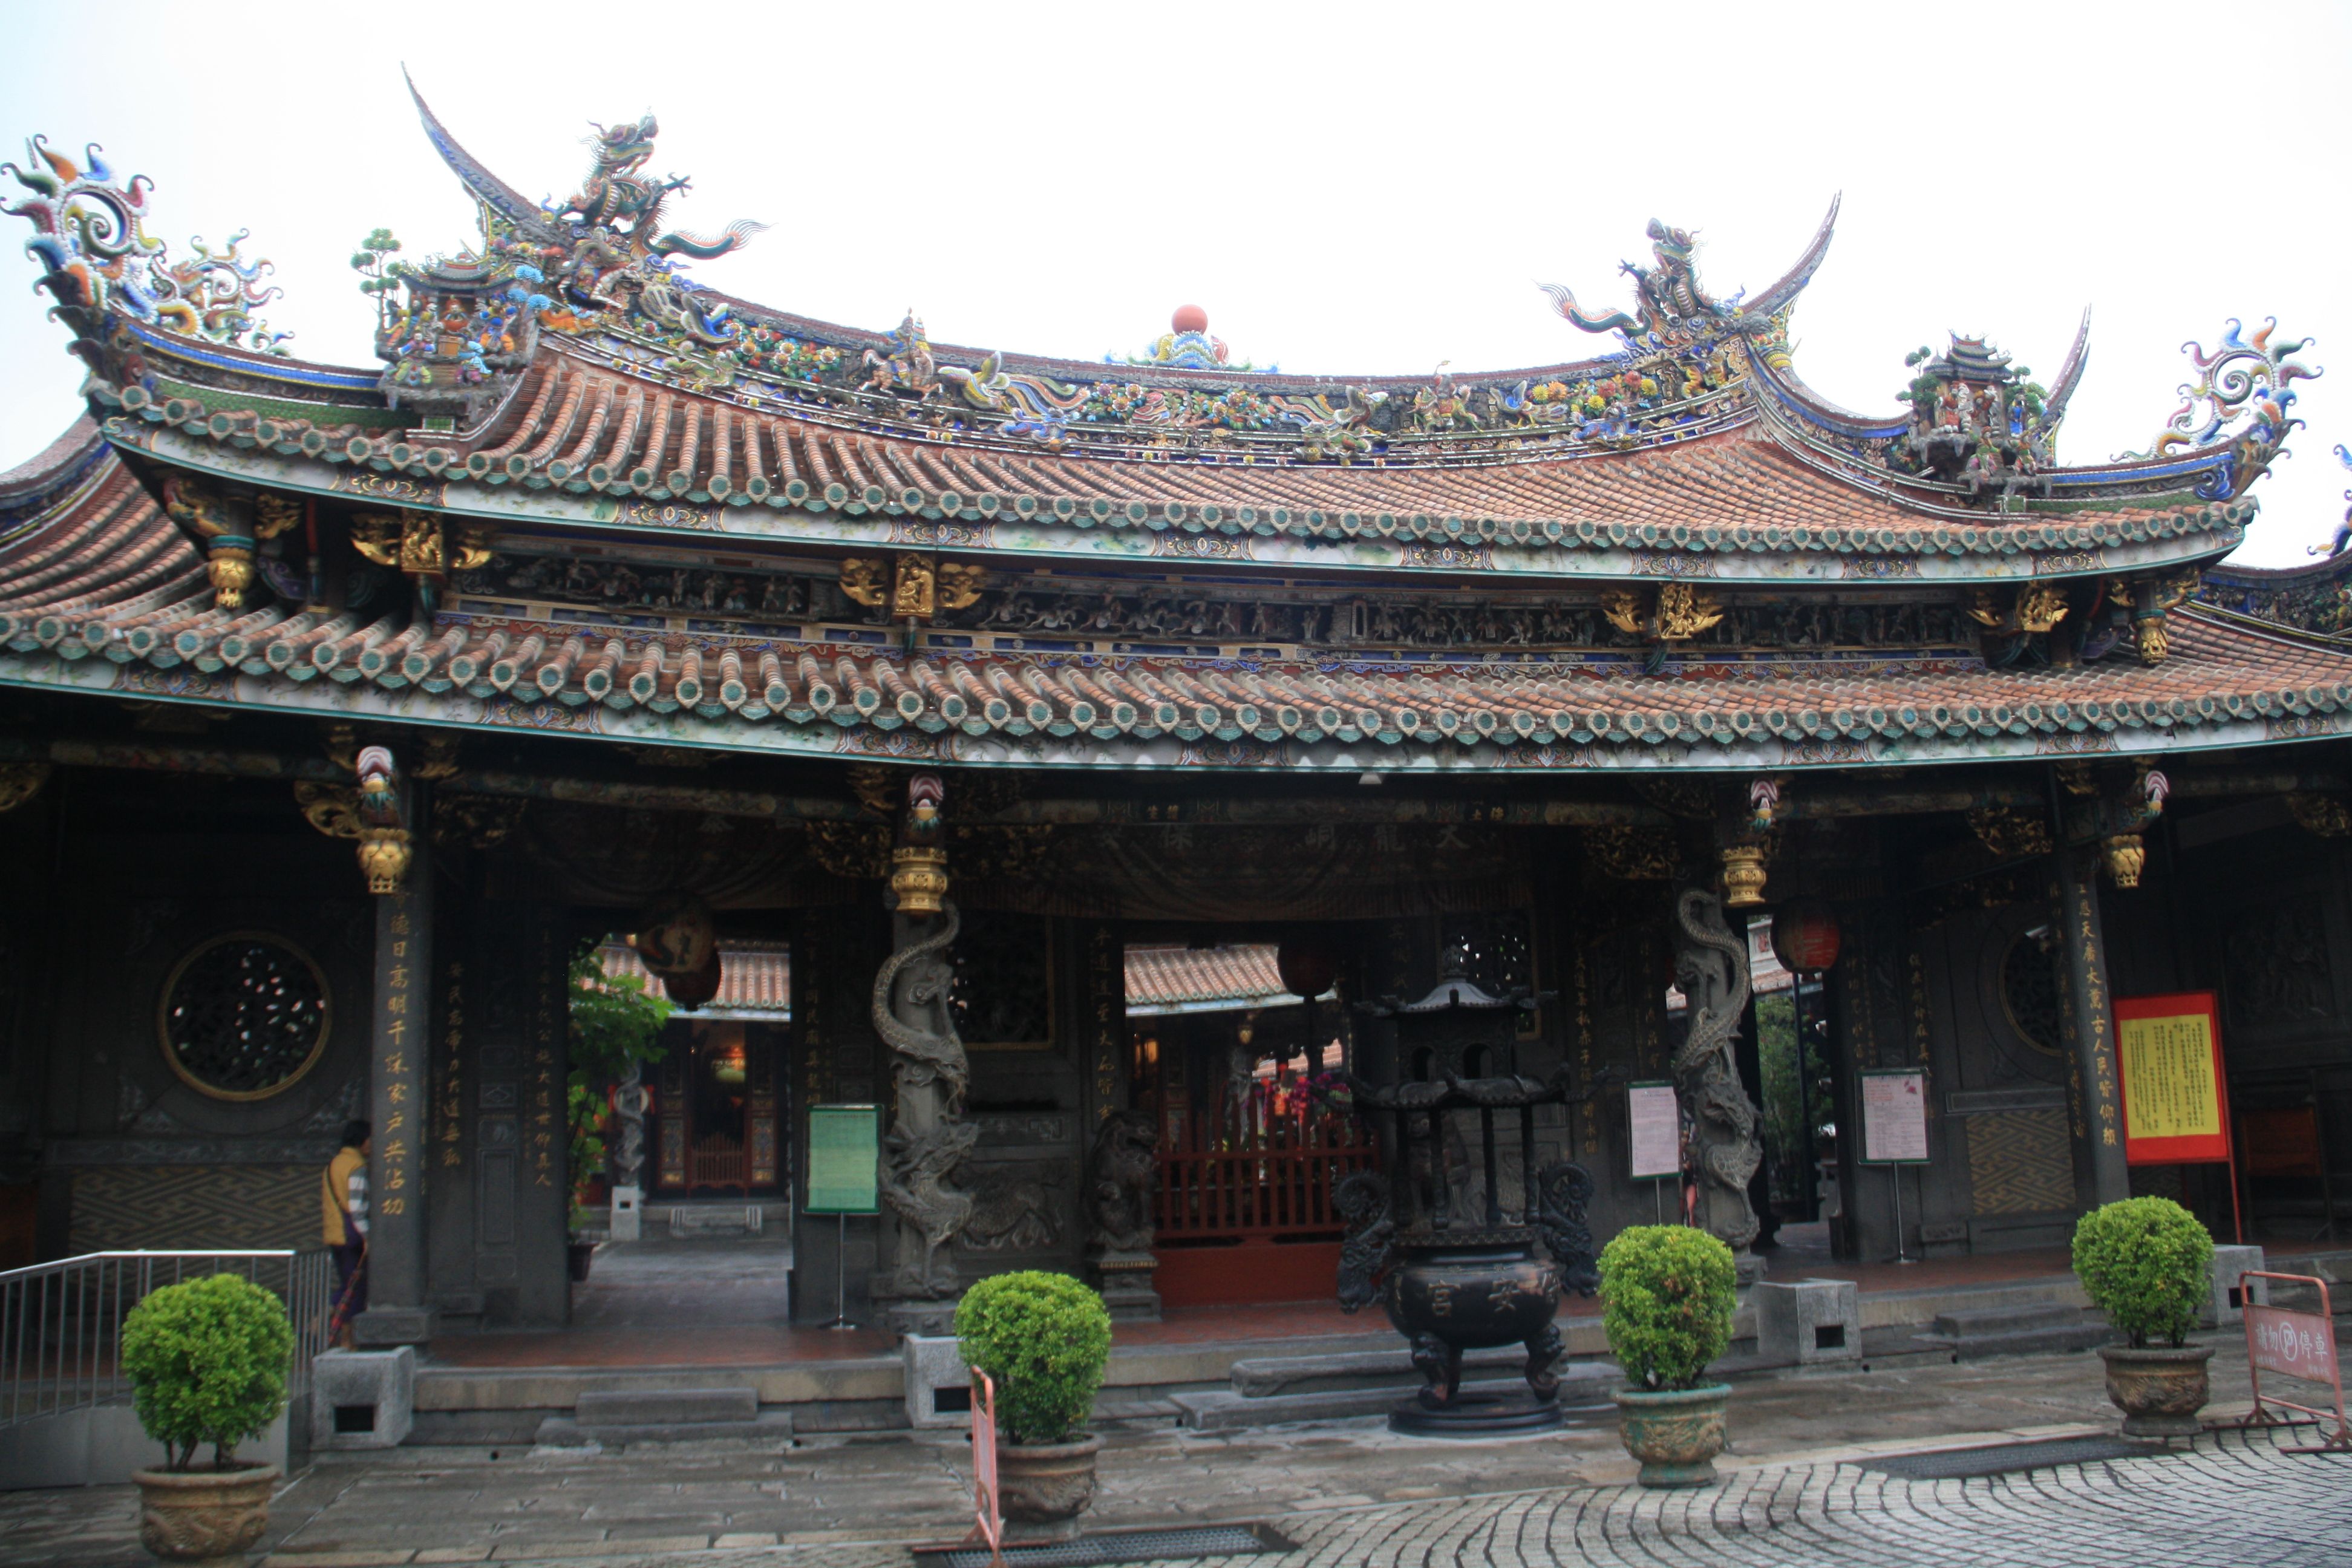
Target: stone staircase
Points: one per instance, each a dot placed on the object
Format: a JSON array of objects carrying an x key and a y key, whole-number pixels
[
  {"x": 2014, "y": 1328},
  {"x": 620, "y": 1418},
  {"x": 1267, "y": 1391}
]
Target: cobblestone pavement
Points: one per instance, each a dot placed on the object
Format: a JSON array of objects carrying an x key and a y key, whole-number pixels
[{"x": 1346, "y": 1493}]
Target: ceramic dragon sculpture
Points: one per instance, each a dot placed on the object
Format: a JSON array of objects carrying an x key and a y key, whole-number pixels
[
  {"x": 1711, "y": 968},
  {"x": 1671, "y": 311}
]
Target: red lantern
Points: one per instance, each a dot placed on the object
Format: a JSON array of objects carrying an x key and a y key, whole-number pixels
[
  {"x": 692, "y": 991},
  {"x": 1307, "y": 965},
  {"x": 1805, "y": 936}
]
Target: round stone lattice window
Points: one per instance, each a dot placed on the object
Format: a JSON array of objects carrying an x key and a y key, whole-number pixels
[
  {"x": 2029, "y": 990},
  {"x": 244, "y": 1017}
]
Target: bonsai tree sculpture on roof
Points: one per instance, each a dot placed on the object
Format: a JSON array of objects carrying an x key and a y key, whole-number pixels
[
  {"x": 2148, "y": 1264},
  {"x": 208, "y": 1361}
]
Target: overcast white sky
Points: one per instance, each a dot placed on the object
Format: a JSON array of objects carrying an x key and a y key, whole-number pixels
[{"x": 1360, "y": 188}]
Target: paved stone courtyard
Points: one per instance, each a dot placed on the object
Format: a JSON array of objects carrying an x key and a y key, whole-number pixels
[{"x": 1345, "y": 1493}]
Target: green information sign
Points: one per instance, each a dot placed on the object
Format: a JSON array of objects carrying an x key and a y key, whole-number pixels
[{"x": 845, "y": 1150}]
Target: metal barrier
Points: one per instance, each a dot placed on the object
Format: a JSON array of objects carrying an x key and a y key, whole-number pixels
[
  {"x": 988, "y": 1519},
  {"x": 61, "y": 1323},
  {"x": 2300, "y": 1345}
]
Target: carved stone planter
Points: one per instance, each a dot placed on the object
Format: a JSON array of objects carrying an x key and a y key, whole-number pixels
[
  {"x": 1675, "y": 1433},
  {"x": 2159, "y": 1390},
  {"x": 210, "y": 1518},
  {"x": 1046, "y": 1483}
]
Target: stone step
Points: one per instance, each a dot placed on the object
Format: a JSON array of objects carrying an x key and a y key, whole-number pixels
[
  {"x": 769, "y": 1430},
  {"x": 1583, "y": 1402},
  {"x": 2025, "y": 1328},
  {"x": 1389, "y": 1367},
  {"x": 2014, "y": 1318},
  {"x": 666, "y": 1406},
  {"x": 728, "y": 1220}
]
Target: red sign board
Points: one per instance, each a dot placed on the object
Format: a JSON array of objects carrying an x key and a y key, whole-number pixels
[{"x": 2175, "y": 1097}]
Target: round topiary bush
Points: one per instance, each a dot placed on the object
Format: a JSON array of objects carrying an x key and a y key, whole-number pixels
[
  {"x": 1666, "y": 1293},
  {"x": 1043, "y": 1340},
  {"x": 2147, "y": 1264},
  {"x": 208, "y": 1361}
]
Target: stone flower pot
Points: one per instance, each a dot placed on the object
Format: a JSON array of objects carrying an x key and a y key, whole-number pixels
[
  {"x": 2159, "y": 1390},
  {"x": 1046, "y": 1483},
  {"x": 208, "y": 1518},
  {"x": 1675, "y": 1433}
]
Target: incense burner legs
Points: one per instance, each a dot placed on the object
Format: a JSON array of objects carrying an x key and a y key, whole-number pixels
[{"x": 1445, "y": 1300}]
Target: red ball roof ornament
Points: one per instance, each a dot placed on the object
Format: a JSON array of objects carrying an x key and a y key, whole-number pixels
[{"x": 1190, "y": 319}]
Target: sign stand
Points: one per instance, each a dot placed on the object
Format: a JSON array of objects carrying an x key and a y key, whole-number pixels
[
  {"x": 1655, "y": 1138},
  {"x": 988, "y": 1520},
  {"x": 2293, "y": 1345},
  {"x": 1894, "y": 1133},
  {"x": 845, "y": 1153}
]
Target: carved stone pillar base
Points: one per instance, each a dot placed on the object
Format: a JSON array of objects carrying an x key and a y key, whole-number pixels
[
  {"x": 918, "y": 1317},
  {"x": 382, "y": 1327},
  {"x": 1751, "y": 1268},
  {"x": 628, "y": 1213},
  {"x": 1125, "y": 1281}
]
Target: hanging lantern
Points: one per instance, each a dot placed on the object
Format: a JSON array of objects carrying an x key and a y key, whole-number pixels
[
  {"x": 1307, "y": 965},
  {"x": 692, "y": 991},
  {"x": 1805, "y": 936},
  {"x": 678, "y": 936}
]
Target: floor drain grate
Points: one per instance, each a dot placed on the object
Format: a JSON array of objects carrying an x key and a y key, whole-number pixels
[
  {"x": 1119, "y": 1546},
  {"x": 1953, "y": 1464}
]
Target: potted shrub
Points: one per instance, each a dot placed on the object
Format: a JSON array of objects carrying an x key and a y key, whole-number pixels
[
  {"x": 1667, "y": 1293},
  {"x": 208, "y": 1361},
  {"x": 2149, "y": 1265},
  {"x": 1043, "y": 1340}
]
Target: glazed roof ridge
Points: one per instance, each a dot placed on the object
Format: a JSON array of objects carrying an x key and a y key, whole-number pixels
[
  {"x": 1704, "y": 494},
  {"x": 139, "y": 606}
]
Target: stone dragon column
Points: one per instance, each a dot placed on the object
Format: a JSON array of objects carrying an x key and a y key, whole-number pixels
[
  {"x": 929, "y": 1137},
  {"x": 1724, "y": 1148}
]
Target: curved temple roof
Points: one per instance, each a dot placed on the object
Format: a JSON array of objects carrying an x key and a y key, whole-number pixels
[
  {"x": 566, "y": 392},
  {"x": 568, "y": 370},
  {"x": 100, "y": 593}
]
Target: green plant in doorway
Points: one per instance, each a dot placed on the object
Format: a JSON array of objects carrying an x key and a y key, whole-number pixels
[
  {"x": 208, "y": 1361},
  {"x": 615, "y": 1023}
]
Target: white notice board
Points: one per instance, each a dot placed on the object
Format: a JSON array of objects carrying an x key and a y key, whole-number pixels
[
  {"x": 1895, "y": 1117},
  {"x": 1657, "y": 1126}
]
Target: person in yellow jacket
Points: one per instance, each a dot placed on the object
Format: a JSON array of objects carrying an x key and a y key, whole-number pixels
[{"x": 343, "y": 1191}]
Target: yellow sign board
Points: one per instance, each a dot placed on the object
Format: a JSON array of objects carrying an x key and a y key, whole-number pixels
[{"x": 2172, "y": 1085}]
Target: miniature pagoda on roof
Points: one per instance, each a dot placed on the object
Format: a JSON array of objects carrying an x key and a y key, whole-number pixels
[{"x": 604, "y": 599}]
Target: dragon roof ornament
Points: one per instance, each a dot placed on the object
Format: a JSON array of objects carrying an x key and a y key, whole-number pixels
[
  {"x": 102, "y": 266},
  {"x": 1674, "y": 315},
  {"x": 2238, "y": 404}
]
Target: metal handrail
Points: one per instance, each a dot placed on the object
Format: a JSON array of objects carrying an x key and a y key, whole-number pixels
[{"x": 61, "y": 1322}]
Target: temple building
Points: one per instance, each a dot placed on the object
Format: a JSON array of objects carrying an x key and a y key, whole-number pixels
[{"x": 1088, "y": 764}]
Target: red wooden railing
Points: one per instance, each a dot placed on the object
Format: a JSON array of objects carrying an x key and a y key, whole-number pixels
[
  {"x": 717, "y": 1160},
  {"x": 1272, "y": 1178}
]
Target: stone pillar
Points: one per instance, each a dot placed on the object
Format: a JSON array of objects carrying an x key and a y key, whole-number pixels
[
  {"x": 2098, "y": 1110},
  {"x": 1711, "y": 969},
  {"x": 398, "y": 1312},
  {"x": 629, "y": 1158},
  {"x": 929, "y": 1138}
]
